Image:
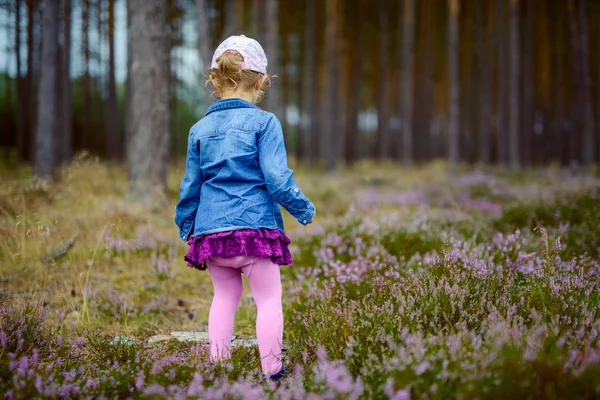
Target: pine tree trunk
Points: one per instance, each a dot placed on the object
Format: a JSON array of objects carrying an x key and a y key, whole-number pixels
[
  {"x": 501, "y": 117},
  {"x": 598, "y": 95},
  {"x": 485, "y": 74},
  {"x": 87, "y": 81},
  {"x": 424, "y": 145},
  {"x": 272, "y": 99},
  {"x": 332, "y": 85},
  {"x": 46, "y": 119},
  {"x": 66, "y": 148},
  {"x": 204, "y": 42},
  {"x": 357, "y": 54},
  {"x": 587, "y": 109},
  {"x": 408, "y": 57},
  {"x": 113, "y": 138},
  {"x": 21, "y": 128},
  {"x": 26, "y": 152},
  {"x": 310, "y": 88},
  {"x": 453, "y": 63},
  {"x": 559, "y": 90},
  {"x": 528, "y": 85},
  {"x": 148, "y": 149},
  {"x": 513, "y": 127},
  {"x": 383, "y": 95},
  {"x": 230, "y": 28},
  {"x": 258, "y": 29}
]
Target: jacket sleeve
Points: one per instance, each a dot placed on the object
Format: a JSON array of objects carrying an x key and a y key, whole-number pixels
[
  {"x": 278, "y": 177},
  {"x": 189, "y": 192}
]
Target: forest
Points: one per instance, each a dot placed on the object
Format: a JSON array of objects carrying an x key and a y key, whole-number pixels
[
  {"x": 450, "y": 148},
  {"x": 513, "y": 83}
]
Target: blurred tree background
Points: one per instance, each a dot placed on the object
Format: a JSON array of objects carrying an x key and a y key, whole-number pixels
[{"x": 514, "y": 83}]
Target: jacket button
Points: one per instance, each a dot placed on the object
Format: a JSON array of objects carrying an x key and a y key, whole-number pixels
[
  {"x": 296, "y": 190},
  {"x": 304, "y": 221}
]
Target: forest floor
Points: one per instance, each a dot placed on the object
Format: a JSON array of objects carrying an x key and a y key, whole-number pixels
[{"x": 410, "y": 282}]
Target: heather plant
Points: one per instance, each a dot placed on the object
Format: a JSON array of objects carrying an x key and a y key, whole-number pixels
[{"x": 411, "y": 284}]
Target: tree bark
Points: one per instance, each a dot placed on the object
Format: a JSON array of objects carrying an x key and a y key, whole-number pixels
[
  {"x": 87, "y": 81},
  {"x": 501, "y": 118},
  {"x": 587, "y": 109},
  {"x": 310, "y": 87},
  {"x": 513, "y": 128},
  {"x": 148, "y": 149},
  {"x": 528, "y": 82},
  {"x": 21, "y": 109},
  {"x": 329, "y": 150},
  {"x": 46, "y": 119},
  {"x": 230, "y": 16},
  {"x": 485, "y": 79},
  {"x": 408, "y": 57},
  {"x": 357, "y": 54},
  {"x": 26, "y": 152},
  {"x": 258, "y": 29},
  {"x": 272, "y": 98},
  {"x": 424, "y": 145},
  {"x": 67, "y": 134},
  {"x": 204, "y": 42},
  {"x": 113, "y": 138},
  {"x": 383, "y": 96},
  {"x": 453, "y": 63}
]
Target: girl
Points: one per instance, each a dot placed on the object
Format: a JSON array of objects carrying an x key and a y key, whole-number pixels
[{"x": 236, "y": 173}]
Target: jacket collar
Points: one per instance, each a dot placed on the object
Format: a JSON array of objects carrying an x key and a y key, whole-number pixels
[{"x": 230, "y": 103}]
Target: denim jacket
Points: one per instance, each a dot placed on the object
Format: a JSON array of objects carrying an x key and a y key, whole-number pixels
[{"x": 236, "y": 173}]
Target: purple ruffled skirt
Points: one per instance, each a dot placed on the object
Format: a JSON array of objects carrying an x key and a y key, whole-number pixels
[{"x": 262, "y": 243}]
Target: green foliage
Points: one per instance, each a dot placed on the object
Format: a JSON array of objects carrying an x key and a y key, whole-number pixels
[{"x": 578, "y": 214}]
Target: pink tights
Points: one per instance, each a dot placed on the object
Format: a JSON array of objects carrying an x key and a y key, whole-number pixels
[{"x": 265, "y": 283}]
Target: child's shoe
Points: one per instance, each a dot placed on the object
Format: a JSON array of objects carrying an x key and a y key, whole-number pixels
[{"x": 276, "y": 377}]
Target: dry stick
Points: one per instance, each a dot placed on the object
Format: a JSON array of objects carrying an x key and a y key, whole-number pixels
[
  {"x": 62, "y": 250},
  {"x": 84, "y": 311}
]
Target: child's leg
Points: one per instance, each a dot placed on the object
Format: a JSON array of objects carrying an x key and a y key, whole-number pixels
[
  {"x": 265, "y": 282},
  {"x": 227, "y": 283}
]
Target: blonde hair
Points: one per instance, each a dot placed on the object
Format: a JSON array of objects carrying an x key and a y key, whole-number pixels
[{"x": 229, "y": 75}]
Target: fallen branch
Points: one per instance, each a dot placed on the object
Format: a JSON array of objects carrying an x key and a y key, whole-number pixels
[{"x": 61, "y": 251}]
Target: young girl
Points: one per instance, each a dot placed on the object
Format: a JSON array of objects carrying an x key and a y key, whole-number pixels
[{"x": 236, "y": 175}]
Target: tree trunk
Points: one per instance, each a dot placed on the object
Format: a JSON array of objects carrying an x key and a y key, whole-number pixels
[
  {"x": 408, "y": 56},
  {"x": 65, "y": 135},
  {"x": 357, "y": 54},
  {"x": 586, "y": 104},
  {"x": 556, "y": 32},
  {"x": 46, "y": 119},
  {"x": 453, "y": 62},
  {"x": 148, "y": 148},
  {"x": 424, "y": 145},
  {"x": 26, "y": 152},
  {"x": 21, "y": 116},
  {"x": 272, "y": 99},
  {"x": 113, "y": 138},
  {"x": 485, "y": 79},
  {"x": 383, "y": 112},
  {"x": 258, "y": 29},
  {"x": 513, "y": 128},
  {"x": 204, "y": 41},
  {"x": 501, "y": 118},
  {"x": 230, "y": 14},
  {"x": 527, "y": 85},
  {"x": 598, "y": 94},
  {"x": 332, "y": 85},
  {"x": 310, "y": 87},
  {"x": 87, "y": 82}
]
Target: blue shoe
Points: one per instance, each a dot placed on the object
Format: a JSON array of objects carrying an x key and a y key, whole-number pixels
[{"x": 276, "y": 377}]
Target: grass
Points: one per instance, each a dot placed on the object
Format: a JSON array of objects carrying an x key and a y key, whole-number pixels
[{"x": 410, "y": 282}]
